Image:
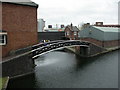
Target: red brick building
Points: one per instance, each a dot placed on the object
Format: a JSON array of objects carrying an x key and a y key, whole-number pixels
[
  {"x": 71, "y": 32},
  {"x": 19, "y": 23}
]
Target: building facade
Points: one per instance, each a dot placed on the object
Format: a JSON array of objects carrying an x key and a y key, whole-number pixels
[
  {"x": 19, "y": 22},
  {"x": 71, "y": 32},
  {"x": 102, "y": 36}
]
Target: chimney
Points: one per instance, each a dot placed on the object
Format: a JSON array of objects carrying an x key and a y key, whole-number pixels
[
  {"x": 71, "y": 25},
  {"x": 99, "y": 23},
  {"x": 62, "y": 26},
  {"x": 88, "y": 24}
]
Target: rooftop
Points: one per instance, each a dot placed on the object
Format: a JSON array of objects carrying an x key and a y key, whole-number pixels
[
  {"x": 21, "y": 2},
  {"x": 73, "y": 28},
  {"x": 108, "y": 26},
  {"x": 108, "y": 29}
]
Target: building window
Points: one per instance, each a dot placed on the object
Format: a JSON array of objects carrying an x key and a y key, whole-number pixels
[
  {"x": 68, "y": 33},
  {"x": 75, "y": 33},
  {"x": 78, "y": 34},
  {"x": 3, "y": 39},
  {"x": 90, "y": 32}
]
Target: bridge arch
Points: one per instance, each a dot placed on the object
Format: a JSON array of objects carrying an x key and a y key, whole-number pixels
[{"x": 40, "y": 49}]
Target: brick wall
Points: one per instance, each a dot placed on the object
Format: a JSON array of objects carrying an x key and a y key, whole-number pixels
[
  {"x": 0, "y": 29},
  {"x": 20, "y": 22},
  {"x": 67, "y": 30},
  {"x": 0, "y": 16},
  {"x": 113, "y": 43},
  {"x": 97, "y": 42}
]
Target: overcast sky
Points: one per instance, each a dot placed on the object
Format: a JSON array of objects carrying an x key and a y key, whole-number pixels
[{"x": 78, "y": 11}]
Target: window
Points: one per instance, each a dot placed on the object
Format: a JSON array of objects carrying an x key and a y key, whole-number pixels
[
  {"x": 90, "y": 32},
  {"x": 75, "y": 33},
  {"x": 78, "y": 34},
  {"x": 2, "y": 39},
  {"x": 67, "y": 32}
]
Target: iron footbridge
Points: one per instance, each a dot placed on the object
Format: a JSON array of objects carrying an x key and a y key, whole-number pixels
[{"x": 43, "y": 48}]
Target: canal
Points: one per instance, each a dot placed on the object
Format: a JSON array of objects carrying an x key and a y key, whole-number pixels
[{"x": 59, "y": 69}]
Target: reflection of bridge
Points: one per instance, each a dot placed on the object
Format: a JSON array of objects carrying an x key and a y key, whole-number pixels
[{"x": 53, "y": 45}]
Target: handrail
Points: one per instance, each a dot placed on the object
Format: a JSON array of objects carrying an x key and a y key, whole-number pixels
[
  {"x": 40, "y": 44},
  {"x": 68, "y": 41},
  {"x": 54, "y": 45}
]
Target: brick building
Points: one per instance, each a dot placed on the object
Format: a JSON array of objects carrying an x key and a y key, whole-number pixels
[
  {"x": 19, "y": 25},
  {"x": 71, "y": 32},
  {"x": 101, "y": 35}
]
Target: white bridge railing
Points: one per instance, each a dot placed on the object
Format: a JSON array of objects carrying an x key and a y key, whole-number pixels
[{"x": 39, "y": 49}]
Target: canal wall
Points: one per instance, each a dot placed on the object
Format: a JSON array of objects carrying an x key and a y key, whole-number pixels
[
  {"x": 18, "y": 64},
  {"x": 94, "y": 50},
  {"x": 91, "y": 50}
]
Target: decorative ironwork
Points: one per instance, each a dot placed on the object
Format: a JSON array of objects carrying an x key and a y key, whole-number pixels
[{"x": 38, "y": 49}]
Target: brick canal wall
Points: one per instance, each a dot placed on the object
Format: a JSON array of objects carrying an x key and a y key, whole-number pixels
[
  {"x": 18, "y": 65},
  {"x": 95, "y": 50},
  {"x": 96, "y": 47},
  {"x": 89, "y": 51},
  {"x": 105, "y": 44}
]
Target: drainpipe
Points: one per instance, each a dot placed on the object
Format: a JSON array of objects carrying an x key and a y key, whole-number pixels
[{"x": 103, "y": 40}]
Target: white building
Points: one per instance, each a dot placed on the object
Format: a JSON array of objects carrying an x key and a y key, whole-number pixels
[{"x": 41, "y": 25}]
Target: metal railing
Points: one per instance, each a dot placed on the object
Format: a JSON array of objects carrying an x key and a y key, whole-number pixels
[{"x": 38, "y": 49}]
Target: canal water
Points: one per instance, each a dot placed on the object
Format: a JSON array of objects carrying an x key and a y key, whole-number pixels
[{"x": 59, "y": 69}]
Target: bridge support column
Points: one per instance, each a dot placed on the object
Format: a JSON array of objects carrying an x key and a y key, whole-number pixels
[{"x": 84, "y": 51}]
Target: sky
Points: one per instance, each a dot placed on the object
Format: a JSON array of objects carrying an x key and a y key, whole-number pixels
[{"x": 78, "y": 11}]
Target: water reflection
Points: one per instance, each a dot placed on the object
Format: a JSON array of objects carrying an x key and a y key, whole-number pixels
[{"x": 83, "y": 62}]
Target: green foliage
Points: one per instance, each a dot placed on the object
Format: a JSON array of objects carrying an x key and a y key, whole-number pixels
[{"x": 3, "y": 82}]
